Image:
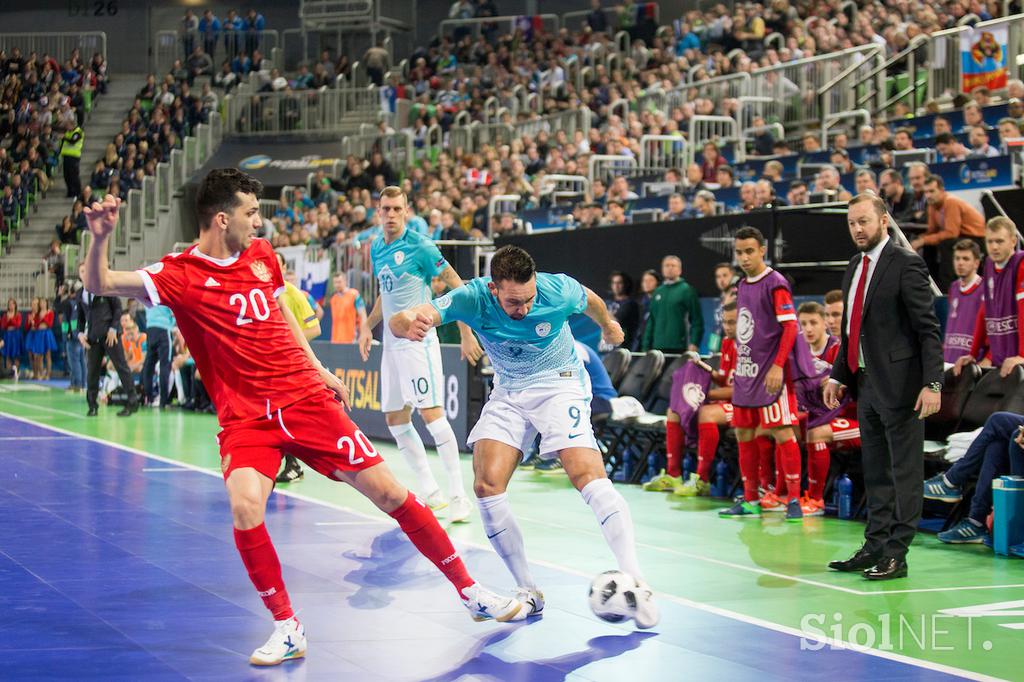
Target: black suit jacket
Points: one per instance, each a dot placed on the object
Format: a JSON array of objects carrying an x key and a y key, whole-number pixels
[
  {"x": 899, "y": 331},
  {"x": 98, "y": 315}
]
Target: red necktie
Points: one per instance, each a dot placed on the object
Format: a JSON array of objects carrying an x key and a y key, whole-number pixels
[{"x": 853, "y": 340}]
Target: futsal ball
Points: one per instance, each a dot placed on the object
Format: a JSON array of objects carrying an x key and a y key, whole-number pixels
[{"x": 613, "y": 596}]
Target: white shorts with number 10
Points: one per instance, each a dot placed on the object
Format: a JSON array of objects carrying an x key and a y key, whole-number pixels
[
  {"x": 560, "y": 414},
  {"x": 412, "y": 375}
]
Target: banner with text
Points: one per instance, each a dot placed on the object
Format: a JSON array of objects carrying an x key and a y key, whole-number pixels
[
  {"x": 364, "y": 388},
  {"x": 975, "y": 174}
]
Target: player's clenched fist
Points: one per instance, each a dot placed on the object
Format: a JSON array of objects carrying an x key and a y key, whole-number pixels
[{"x": 102, "y": 216}]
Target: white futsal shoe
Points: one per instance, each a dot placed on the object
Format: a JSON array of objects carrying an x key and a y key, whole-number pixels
[
  {"x": 436, "y": 500},
  {"x": 486, "y": 605},
  {"x": 532, "y": 599},
  {"x": 287, "y": 642},
  {"x": 646, "y": 610},
  {"x": 459, "y": 510}
]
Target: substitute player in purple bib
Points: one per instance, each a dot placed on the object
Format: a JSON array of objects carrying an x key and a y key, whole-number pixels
[
  {"x": 540, "y": 387},
  {"x": 998, "y": 327},
  {"x": 965, "y": 301},
  {"x": 763, "y": 393}
]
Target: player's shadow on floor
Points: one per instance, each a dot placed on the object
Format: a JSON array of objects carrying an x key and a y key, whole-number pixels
[
  {"x": 387, "y": 566},
  {"x": 481, "y": 663}
]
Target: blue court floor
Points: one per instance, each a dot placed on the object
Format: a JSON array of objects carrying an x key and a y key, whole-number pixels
[{"x": 114, "y": 565}]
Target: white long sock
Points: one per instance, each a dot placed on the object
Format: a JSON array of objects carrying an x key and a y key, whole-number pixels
[
  {"x": 448, "y": 449},
  {"x": 411, "y": 446},
  {"x": 505, "y": 536},
  {"x": 613, "y": 515}
]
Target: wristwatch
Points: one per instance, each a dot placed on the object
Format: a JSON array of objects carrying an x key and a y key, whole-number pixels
[{"x": 935, "y": 387}]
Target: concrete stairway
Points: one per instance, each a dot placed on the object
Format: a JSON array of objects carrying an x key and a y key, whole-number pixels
[{"x": 102, "y": 124}]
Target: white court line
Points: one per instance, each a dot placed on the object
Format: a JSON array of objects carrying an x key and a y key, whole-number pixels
[
  {"x": 45, "y": 409},
  {"x": 700, "y": 606},
  {"x": 170, "y": 469},
  {"x": 773, "y": 574}
]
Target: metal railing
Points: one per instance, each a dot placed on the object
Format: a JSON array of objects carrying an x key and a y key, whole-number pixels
[
  {"x": 864, "y": 85},
  {"x": 796, "y": 88},
  {"x": 549, "y": 23},
  {"x": 664, "y": 151},
  {"x": 57, "y": 45},
  {"x": 333, "y": 11},
  {"x": 24, "y": 279},
  {"x": 171, "y": 45},
  {"x": 397, "y": 148},
  {"x": 717, "y": 129},
  {"x": 305, "y": 111},
  {"x": 603, "y": 167}
]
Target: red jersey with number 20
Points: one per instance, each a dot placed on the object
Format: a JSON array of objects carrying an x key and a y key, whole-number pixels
[{"x": 248, "y": 359}]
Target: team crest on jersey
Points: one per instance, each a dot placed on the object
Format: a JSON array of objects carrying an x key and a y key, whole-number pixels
[
  {"x": 155, "y": 268},
  {"x": 259, "y": 268},
  {"x": 444, "y": 302},
  {"x": 399, "y": 257},
  {"x": 744, "y": 326},
  {"x": 543, "y": 329},
  {"x": 694, "y": 395}
]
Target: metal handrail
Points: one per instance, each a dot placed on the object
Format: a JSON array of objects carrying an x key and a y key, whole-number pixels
[{"x": 1002, "y": 211}]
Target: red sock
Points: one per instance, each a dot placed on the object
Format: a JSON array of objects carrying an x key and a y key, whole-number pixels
[
  {"x": 780, "y": 473},
  {"x": 419, "y": 523},
  {"x": 817, "y": 469},
  {"x": 264, "y": 568},
  {"x": 673, "y": 448},
  {"x": 707, "y": 446},
  {"x": 766, "y": 460},
  {"x": 790, "y": 458},
  {"x": 748, "y": 469}
]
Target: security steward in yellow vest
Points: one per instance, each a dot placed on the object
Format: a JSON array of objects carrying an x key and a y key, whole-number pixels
[{"x": 71, "y": 154}]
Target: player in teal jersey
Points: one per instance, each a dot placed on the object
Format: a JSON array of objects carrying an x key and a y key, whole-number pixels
[
  {"x": 404, "y": 262},
  {"x": 540, "y": 387}
]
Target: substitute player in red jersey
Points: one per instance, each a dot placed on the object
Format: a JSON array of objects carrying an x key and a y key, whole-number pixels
[
  {"x": 824, "y": 426},
  {"x": 270, "y": 390},
  {"x": 763, "y": 392}
]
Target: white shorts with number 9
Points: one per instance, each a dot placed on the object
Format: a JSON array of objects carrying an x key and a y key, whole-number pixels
[
  {"x": 412, "y": 375},
  {"x": 561, "y": 415}
]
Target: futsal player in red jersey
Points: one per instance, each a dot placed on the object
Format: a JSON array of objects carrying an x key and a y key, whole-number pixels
[{"x": 270, "y": 391}]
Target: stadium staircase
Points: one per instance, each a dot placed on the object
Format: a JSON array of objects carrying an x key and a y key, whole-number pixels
[{"x": 19, "y": 268}]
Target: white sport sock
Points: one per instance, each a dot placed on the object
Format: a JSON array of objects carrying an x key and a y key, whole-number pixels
[
  {"x": 505, "y": 536},
  {"x": 448, "y": 450},
  {"x": 613, "y": 515},
  {"x": 411, "y": 446}
]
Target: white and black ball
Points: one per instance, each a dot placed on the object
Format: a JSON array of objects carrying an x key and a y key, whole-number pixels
[{"x": 613, "y": 596}]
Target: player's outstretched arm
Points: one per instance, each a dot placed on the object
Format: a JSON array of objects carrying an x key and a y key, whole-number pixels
[
  {"x": 611, "y": 330},
  {"x": 414, "y": 323},
  {"x": 330, "y": 380},
  {"x": 471, "y": 350},
  {"x": 100, "y": 280}
]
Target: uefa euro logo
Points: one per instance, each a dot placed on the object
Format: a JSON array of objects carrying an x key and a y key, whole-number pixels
[
  {"x": 965, "y": 174},
  {"x": 254, "y": 162}
]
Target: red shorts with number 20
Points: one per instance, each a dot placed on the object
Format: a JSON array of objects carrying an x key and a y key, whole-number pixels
[
  {"x": 780, "y": 413},
  {"x": 315, "y": 430}
]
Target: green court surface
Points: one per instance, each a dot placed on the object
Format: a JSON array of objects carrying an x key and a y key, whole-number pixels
[{"x": 961, "y": 610}]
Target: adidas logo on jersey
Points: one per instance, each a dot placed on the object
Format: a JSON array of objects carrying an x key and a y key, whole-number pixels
[{"x": 211, "y": 282}]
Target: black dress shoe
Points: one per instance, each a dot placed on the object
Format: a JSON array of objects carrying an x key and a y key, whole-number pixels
[
  {"x": 93, "y": 411},
  {"x": 126, "y": 411},
  {"x": 860, "y": 560},
  {"x": 887, "y": 569}
]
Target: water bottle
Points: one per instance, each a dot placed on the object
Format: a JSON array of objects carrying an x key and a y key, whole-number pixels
[
  {"x": 844, "y": 491},
  {"x": 689, "y": 466},
  {"x": 720, "y": 488}
]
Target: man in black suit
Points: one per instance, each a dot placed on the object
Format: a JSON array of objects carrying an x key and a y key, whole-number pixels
[
  {"x": 97, "y": 318},
  {"x": 895, "y": 373}
]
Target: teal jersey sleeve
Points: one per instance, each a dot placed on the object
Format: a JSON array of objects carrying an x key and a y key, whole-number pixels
[
  {"x": 461, "y": 304},
  {"x": 573, "y": 295},
  {"x": 359, "y": 303},
  {"x": 431, "y": 260}
]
